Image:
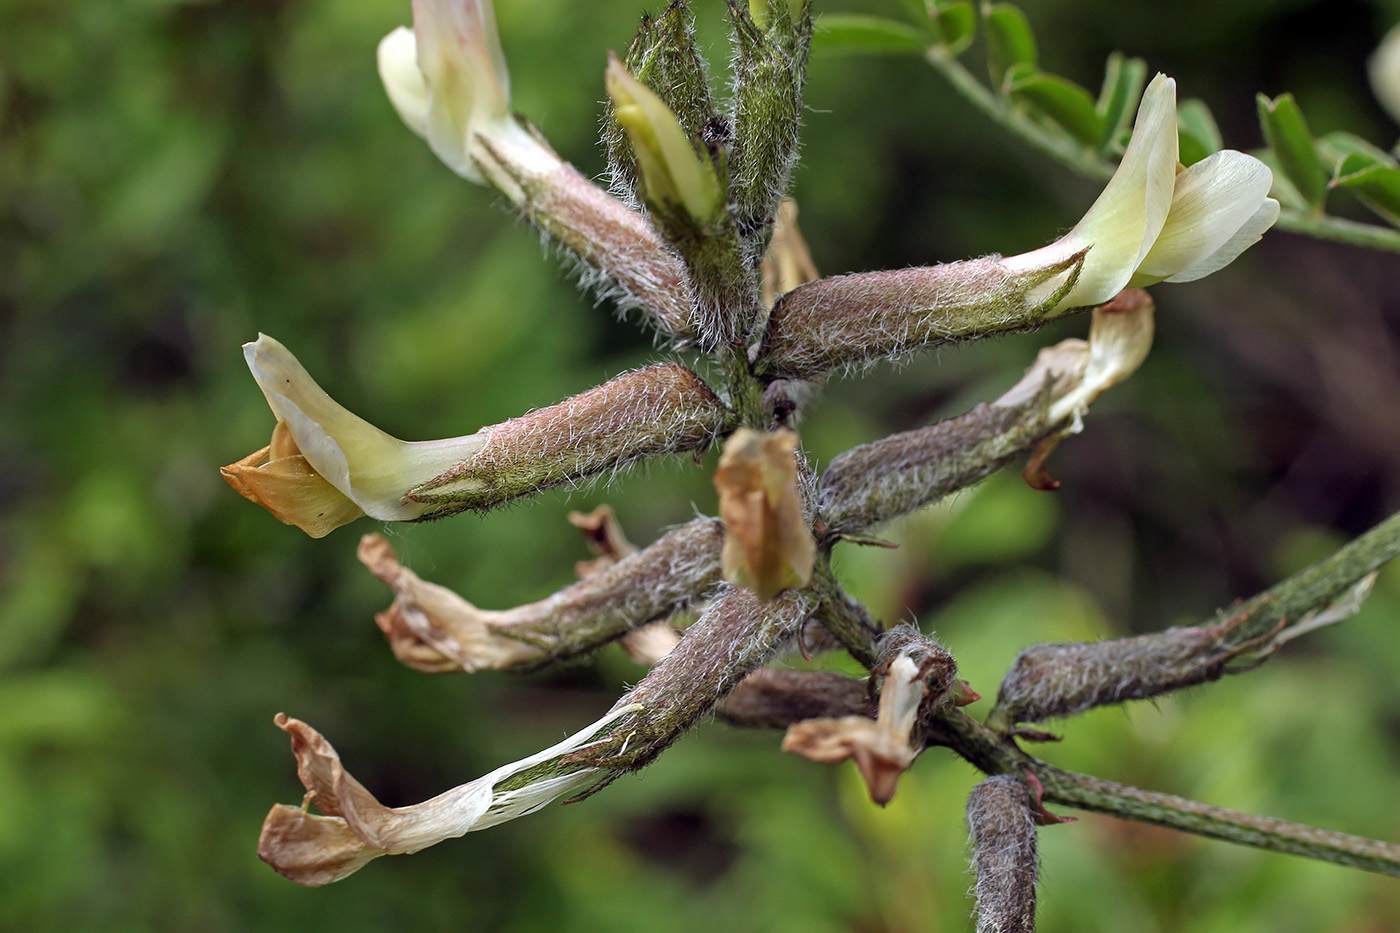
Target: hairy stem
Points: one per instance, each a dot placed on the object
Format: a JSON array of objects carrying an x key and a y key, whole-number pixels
[
  {"x": 996, "y": 754},
  {"x": 1317, "y": 585},
  {"x": 1263, "y": 832}
]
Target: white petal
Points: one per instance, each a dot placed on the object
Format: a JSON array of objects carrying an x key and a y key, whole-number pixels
[
  {"x": 477, "y": 805},
  {"x": 1242, "y": 240},
  {"x": 1212, "y": 201},
  {"x": 900, "y": 697},
  {"x": 1124, "y": 222},
  {"x": 1384, "y": 69},
  {"x": 1130, "y": 213},
  {"x": 403, "y": 82},
  {"x": 460, "y": 56}
]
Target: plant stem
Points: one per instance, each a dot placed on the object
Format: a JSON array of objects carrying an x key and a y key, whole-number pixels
[
  {"x": 1319, "y": 584},
  {"x": 1061, "y": 148},
  {"x": 1339, "y": 230},
  {"x": 1089, "y": 164},
  {"x": 1145, "y": 806},
  {"x": 996, "y": 754}
]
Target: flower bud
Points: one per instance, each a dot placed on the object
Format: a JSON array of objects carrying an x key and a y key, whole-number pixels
[
  {"x": 768, "y": 545},
  {"x": 673, "y": 174},
  {"x": 770, "y": 69},
  {"x": 665, "y": 56}
]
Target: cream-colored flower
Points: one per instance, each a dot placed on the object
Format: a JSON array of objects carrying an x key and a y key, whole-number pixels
[
  {"x": 1156, "y": 221},
  {"x": 327, "y": 466},
  {"x": 656, "y": 410},
  {"x": 447, "y": 79},
  {"x": 1384, "y": 69}
]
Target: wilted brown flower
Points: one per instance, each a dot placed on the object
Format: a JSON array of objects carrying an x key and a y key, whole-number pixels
[
  {"x": 880, "y": 747},
  {"x": 768, "y": 546}
]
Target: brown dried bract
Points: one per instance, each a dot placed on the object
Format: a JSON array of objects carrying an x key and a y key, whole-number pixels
[
  {"x": 881, "y": 748},
  {"x": 768, "y": 546}
]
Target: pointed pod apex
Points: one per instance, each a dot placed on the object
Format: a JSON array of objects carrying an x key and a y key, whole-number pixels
[{"x": 963, "y": 695}]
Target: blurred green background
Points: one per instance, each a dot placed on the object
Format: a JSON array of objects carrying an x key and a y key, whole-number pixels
[{"x": 177, "y": 176}]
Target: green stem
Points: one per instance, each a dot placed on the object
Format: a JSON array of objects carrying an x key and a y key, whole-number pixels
[
  {"x": 1058, "y": 147},
  {"x": 1087, "y": 163},
  {"x": 1339, "y": 230},
  {"x": 1317, "y": 585},
  {"x": 1145, "y": 806},
  {"x": 843, "y": 616},
  {"x": 996, "y": 754}
]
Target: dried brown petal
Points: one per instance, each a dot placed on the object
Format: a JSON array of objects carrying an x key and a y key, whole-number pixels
[
  {"x": 877, "y": 752},
  {"x": 431, "y": 628},
  {"x": 280, "y": 479},
  {"x": 768, "y": 546},
  {"x": 881, "y": 747},
  {"x": 311, "y": 850},
  {"x": 354, "y": 828}
]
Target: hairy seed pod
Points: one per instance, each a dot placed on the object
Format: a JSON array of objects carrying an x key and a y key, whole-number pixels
[
  {"x": 433, "y": 629},
  {"x": 1001, "y": 825},
  {"x": 1055, "y": 680},
  {"x": 656, "y": 410},
  {"x": 881, "y": 481},
  {"x": 772, "y": 698},
  {"x": 852, "y": 320}
]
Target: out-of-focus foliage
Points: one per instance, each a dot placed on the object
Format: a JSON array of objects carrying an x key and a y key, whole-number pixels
[{"x": 176, "y": 176}]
